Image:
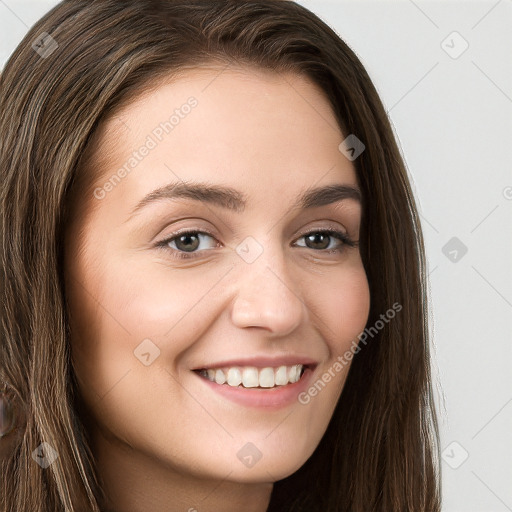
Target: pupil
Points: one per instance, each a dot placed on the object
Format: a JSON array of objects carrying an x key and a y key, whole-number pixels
[
  {"x": 315, "y": 238},
  {"x": 187, "y": 247}
]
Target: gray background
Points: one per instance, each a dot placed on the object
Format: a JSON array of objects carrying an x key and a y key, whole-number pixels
[{"x": 452, "y": 113}]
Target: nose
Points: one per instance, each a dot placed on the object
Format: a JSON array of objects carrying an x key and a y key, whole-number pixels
[{"x": 267, "y": 295}]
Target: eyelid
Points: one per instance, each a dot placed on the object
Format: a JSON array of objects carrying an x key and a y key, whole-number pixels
[{"x": 188, "y": 230}]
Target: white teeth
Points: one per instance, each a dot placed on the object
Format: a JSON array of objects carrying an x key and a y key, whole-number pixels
[
  {"x": 234, "y": 377},
  {"x": 281, "y": 376},
  {"x": 293, "y": 373},
  {"x": 252, "y": 377},
  {"x": 267, "y": 378},
  {"x": 220, "y": 378}
]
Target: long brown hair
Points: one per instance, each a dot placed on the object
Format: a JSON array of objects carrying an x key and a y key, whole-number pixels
[{"x": 76, "y": 68}]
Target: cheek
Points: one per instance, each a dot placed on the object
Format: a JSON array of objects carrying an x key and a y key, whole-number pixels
[
  {"x": 341, "y": 303},
  {"x": 169, "y": 304},
  {"x": 130, "y": 302},
  {"x": 355, "y": 304}
]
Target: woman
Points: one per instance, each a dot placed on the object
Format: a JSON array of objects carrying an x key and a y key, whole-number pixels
[{"x": 132, "y": 132}]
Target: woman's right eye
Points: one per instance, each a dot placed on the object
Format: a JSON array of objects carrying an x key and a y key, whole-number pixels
[{"x": 186, "y": 243}]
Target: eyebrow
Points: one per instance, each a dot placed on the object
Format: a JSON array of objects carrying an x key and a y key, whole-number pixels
[{"x": 234, "y": 200}]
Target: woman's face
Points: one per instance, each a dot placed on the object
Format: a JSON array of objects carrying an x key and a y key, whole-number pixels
[{"x": 256, "y": 283}]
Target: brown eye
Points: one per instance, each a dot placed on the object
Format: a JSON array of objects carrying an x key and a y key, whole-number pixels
[
  {"x": 186, "y": 244},
  {"x": 319, "y": 240}
]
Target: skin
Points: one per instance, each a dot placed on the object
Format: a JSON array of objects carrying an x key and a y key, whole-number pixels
[{"x": 162, "y": 440}]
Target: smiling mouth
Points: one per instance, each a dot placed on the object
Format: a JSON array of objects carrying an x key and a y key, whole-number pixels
[{"x": 255, "y": 378}]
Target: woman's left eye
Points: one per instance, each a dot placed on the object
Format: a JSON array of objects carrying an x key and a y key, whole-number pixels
[{"x": 186, "y": 243}]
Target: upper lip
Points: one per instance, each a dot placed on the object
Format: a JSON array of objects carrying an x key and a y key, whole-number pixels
[{"x": 261, "y": 362}]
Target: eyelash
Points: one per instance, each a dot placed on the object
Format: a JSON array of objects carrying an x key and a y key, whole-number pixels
[{"x": 164, "y": 244}]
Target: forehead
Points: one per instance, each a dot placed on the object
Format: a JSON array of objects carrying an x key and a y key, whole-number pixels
[{"x": 250, "y": 128}]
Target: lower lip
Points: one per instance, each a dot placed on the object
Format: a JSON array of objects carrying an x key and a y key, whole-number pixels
[{"x": 270, "y": 399}]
